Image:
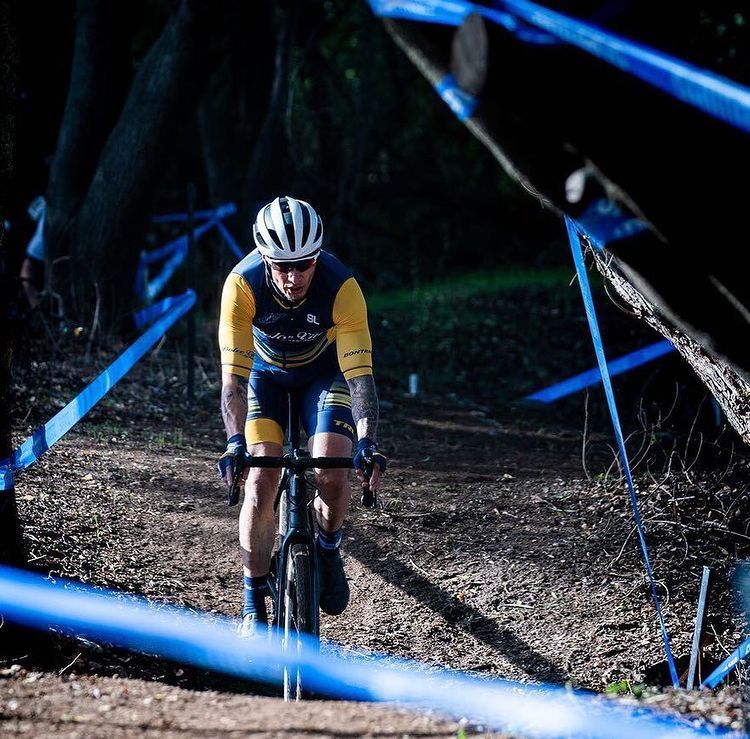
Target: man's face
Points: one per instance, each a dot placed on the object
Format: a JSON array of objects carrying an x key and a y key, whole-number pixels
[{"x": 293, "y": 278}]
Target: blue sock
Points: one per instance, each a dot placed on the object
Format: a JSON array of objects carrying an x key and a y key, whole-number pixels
[
  {"x": 256, "y": 589},
  {"x": 330, "y": 541}
]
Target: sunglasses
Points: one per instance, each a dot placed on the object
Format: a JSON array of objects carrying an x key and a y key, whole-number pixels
[{"x": 301, "y": 265}]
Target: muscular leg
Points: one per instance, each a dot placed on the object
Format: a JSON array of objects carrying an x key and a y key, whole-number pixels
[
  {"x": 257, "y": 524},
  {"x": 333, "y": 485},
  {"x": 331, "y": 507}
]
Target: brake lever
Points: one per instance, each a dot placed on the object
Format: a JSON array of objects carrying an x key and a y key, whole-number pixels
[
  {"x": 238, "y": 467},
  {"x": 369, "y": 497}
]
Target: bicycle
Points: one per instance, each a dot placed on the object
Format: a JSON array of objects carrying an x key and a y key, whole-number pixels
[{"x": 293, "y": 581}]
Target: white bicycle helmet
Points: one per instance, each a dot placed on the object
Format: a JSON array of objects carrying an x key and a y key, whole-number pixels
[{"x": 288, "y": 229}]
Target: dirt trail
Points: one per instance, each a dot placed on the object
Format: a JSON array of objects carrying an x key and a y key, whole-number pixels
[
  {"x": 492, "y": 552},
  {"x": 88, "y": 707}
]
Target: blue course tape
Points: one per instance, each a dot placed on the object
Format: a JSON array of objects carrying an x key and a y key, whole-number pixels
[
  {"x": 727, "y": 665},
  {"x": 6, "y": 478},
  {"x": 36, "y": 248},
  {"x": 180, "y": 243},
  {"x": 446, "y": 12},
  {"x": 59, "y": 425},
  {"x": 588, "y": 302},
  {"x": 594, "y": 376},
  {"x": 532, "y": 36},
  {"x": 178, "y": 249},
  {"x": 460, "y": 102},
  {"x": 230, "y": 241},
  {"x": 145, "y": 316},
  {"x": 227, "y": 209},
  {"x": 605, "y": 221},
  {"x": 210, "y": 641},
  {"x": 454, "y": 14},
  {"x": 153, "y": 287},
  {"x": 157, "y": 255},
  {"x": 711, "y": 93}
]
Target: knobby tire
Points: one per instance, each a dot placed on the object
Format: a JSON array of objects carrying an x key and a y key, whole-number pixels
[{"x": 300, "y": 615}]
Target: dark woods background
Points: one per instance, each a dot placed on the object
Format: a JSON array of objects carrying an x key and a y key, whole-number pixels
[
  {"x": 119, "y": 105},
  {"x": 112, "y": 108}
]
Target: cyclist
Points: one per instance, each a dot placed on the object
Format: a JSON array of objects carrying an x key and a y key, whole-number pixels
[
  {"x": 32, "y": 267},
  {"x": 293, "y": 319}
]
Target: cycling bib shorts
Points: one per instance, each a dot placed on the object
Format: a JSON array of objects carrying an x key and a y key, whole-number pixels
[{"x": 322, "y": 397}]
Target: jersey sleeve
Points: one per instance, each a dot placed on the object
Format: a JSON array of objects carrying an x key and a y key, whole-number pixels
[
  {"x": 353, "y": 342},
  {"x": 236, "y": 326}
]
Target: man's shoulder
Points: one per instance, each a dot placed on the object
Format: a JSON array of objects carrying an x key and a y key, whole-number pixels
[
  {"x": 332, "y": 271},
  {"x": 251, "y": 268}
]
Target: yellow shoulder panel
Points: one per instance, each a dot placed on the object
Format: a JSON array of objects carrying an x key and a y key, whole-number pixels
[
  {"x": 236, "y": 326},
  {"x": 353, "y": 342}
]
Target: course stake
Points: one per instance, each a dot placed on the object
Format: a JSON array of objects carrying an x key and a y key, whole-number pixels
[
  {"x": 698, "y": 628},
  {"x": 190, "y": 277},
  {"x": 413, "y": 384}
]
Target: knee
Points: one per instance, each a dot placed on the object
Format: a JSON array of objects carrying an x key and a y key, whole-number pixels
[
  {"x": 332, "y": 483},
  {"x": 260, "y": 487}
]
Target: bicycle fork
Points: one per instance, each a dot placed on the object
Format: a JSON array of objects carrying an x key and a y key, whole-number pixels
[{"x": 299, "y": 529}]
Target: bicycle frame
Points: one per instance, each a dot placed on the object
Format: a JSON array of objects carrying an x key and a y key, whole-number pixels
[
  {"x": 298, "y": 528},
  {"x": 296, "y": 525}
]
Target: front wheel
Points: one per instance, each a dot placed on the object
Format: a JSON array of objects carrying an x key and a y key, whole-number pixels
[{"x": 300, "y": 616}]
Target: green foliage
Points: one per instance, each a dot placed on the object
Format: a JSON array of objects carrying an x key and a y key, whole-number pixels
[
  {"x": 473, "y": 331},
  {"x": 165, "y": 439},
  {"x": 467, "y": 285},
  {"x": 625, "y": 687}
]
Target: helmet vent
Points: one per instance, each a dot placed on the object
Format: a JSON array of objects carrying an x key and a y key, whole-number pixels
[
  {"x": 288, "y": 228},
  {"x": 305, "y": 225}
]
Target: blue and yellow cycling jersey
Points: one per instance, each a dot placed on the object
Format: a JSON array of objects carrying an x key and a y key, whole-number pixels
[{"x": 257, "y": 329}]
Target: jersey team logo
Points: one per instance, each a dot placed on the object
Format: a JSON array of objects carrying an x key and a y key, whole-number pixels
[{"x": 311, "y": 318}]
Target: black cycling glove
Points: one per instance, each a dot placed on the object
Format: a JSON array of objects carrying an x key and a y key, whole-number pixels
[
  {"x": 366, "y": 457},
  {"x": 232, "y": 464}
]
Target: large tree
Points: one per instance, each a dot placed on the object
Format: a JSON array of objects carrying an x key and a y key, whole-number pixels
[
  {"x": 116, "y": 140},
  {"x": 11, "y": 545}
]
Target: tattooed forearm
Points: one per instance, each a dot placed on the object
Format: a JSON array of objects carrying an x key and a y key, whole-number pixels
[
  {"x": 364, "y": 406},
  {"x": 233, "y": 403}
]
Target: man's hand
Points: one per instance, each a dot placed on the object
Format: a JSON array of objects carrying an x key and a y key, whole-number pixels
[
  {"x": 370, "y": 465},
  {"x": 233, "y": 468}
]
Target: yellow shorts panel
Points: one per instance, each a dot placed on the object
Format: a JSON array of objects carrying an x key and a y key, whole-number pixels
[{"x": 259, "y": 430}]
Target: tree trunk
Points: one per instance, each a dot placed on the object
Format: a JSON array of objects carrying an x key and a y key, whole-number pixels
[
  {"x": 11, "y": 539},
  {"x": 104, "y": 233},
  {"x": 235, "y": 101},
  {"x": 233, "y": 109},
  {"x": 353, "y": 162},
  {"x": 89, "y": 114},
  {"x": 259, "y": 168},
  {"x": 729, "y": 384}
]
